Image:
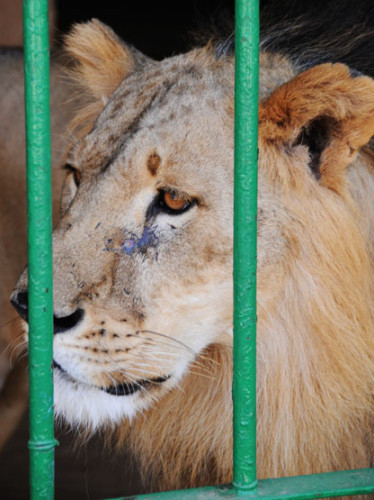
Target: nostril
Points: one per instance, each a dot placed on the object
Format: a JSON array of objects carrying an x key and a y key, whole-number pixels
[
  {"x": 20, "y": 302},
  {"x": 65, "y": 323}
]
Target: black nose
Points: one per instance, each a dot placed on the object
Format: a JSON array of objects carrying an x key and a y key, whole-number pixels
[
  {"x": 20, "y": 302},
  {"x": 65, "y": 323}
]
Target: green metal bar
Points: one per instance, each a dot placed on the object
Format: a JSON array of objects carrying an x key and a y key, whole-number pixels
[
  {"x": 39, "y": 219},
  {"x": 330, "y": 484},
  {"x": 245, "y": 242}
]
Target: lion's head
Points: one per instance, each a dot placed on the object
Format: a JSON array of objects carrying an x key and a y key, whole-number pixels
[{"x": 143, "y": 254}]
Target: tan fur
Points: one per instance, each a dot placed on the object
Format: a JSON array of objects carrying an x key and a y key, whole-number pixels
[
  {"x": 99, "y": 52},
  {"x": 325, "y": 90},
  {"x": 160, "y": 300}
]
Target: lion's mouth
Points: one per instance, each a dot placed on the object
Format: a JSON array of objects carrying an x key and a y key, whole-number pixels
[
  {"x": 124, "y": 389},
  {"x": 129, "y": 388}
]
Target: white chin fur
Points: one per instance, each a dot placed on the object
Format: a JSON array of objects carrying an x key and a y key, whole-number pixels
[{"x": 82, "y": 405}]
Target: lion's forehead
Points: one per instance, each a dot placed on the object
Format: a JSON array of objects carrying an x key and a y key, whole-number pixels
[{"x": 157, "y": 103}]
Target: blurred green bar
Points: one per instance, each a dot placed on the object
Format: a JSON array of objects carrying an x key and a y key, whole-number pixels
[
  {"x": 245, "y": 242},
  {"x": 39, "y": 220},
  {"x": 330, "y": 484}
]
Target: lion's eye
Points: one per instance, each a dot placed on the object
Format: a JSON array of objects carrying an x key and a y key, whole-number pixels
[
  {"x": 174, "y": 201},
  {"x": 70, "y": 186},
  {"x": 170, "y": 202},
  {"x": 75, "y": 173}
]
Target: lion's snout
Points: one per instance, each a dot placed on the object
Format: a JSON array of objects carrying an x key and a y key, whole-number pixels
[
  {"x": 65, "y": 323},
  {"x": 20, "y": 302},
  {"x": 61, "y": 324}
]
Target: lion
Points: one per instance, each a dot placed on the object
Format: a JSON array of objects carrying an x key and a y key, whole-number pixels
[{"x": 143, "y": 262}]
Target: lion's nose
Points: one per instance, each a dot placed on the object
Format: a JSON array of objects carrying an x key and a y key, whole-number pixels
[
  {"x": 61, "y": 324},
  {"x": 64, "y": 323},
  {"x": 20, "y": 302}
]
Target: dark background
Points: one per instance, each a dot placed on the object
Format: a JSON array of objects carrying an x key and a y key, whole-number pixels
[
  {"x": 162, "y": 28},
  {"x": 157, "y": 28}
]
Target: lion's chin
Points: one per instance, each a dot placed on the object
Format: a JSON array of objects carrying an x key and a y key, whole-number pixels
[
  {"x": 91, "y": 407},
  {"x": 82, "y": 405}
]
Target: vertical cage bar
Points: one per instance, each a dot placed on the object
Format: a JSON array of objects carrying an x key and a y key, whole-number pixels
[
  {"x": 245, "y": 244},
  {"x": 39, "y": 220}
]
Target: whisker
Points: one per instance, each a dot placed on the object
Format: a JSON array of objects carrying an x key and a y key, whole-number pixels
[
  {"x": 10, "y": 321},
  {"x": 207, "y": 367},
  {"x": 201, "y": 370},
  {"x": 196, "y": 362},
  {"x": 168, "y": 344},
  {"x": 153, "y": 349},
  {"x": 208, "y": 358},
  {"x": 153, "y": 396},
  {"x": 23, "y": 356},
  {"x": 143, "y": 371},
  {"x": 22, "y": 347},
  {"x": 11, "y": 344},
  {"x": 182, "y": 344},
  {"x": 193, "y": 363},
  {"x": 131, "y": 366},
  {"x": 114, "y": 383},
  {"x": 204, "y": 371}
]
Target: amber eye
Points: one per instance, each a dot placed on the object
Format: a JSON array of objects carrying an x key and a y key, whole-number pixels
[
  {"x": 174, "y": 201},
  {"x": 170, "y": 202}
]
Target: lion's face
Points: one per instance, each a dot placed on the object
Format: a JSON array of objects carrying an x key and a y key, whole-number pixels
[
  {"x": 143, "y": 250},
  {"x": 142, "y": 253}
]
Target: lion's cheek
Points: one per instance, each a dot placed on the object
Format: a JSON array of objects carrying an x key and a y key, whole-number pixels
[{"x": 185, "y": 314}]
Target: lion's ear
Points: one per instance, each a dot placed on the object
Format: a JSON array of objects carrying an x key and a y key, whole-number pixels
[
  {"x": 103, "y": 59},
  {"x": 328, "y": 109}
]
